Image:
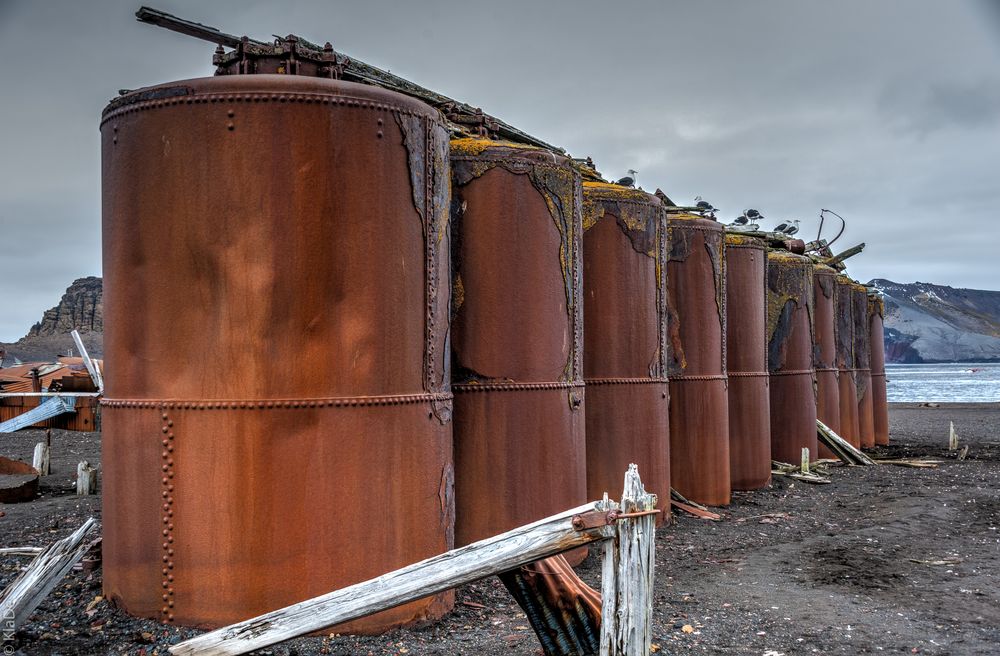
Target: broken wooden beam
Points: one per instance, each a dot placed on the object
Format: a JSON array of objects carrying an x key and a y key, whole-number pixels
[
  {"x": 546, "y": 537},
  {"x": 86, "y": 479},
  {"x": 20, "y": 599},
  {"x": 841, "y": 447}
]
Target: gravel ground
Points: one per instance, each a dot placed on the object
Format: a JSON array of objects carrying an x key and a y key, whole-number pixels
[{"x": 885, "y": 560}]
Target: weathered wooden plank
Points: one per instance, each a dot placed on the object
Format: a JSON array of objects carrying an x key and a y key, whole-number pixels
[
  {"x": 544, "y": 538},
  {"x": 27, "y": 591},
  {"x": 841, "y": 447},
  {"x": 86, "y": 479}
]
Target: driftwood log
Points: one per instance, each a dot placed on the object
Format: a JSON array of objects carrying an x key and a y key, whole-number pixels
[{"x": 23, "y": 595}]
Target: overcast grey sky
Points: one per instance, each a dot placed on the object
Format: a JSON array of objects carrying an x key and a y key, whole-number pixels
[{"x": 887, "y": 111}]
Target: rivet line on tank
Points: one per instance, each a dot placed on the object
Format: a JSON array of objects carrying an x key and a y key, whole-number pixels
[
  {"x": 625, "y": 381},
  {"x": 513, "y": 387},
  {"x": 747, "y": 374},
  {"x": 167, "y": 489},
  {"x": 794, "y": 372},
  {"x": 254, "y": 97},
  {"x": 262, "y": 404},
  {"x": 698, "y": 377}
]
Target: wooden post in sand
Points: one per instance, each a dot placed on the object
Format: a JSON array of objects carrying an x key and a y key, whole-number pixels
[{"x": 86, "y": 479}]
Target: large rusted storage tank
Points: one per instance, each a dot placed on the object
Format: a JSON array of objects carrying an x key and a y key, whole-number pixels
[
  {"x": 276, "y": 300},
  {"x": 746, "y": 362},
  {"x": 825, "y": 351},
  {"x": 880, "y": 403},
  {"x": 517, "y": 336},
  {"x": 846, "y": 372},
  {"x": 862, "y": 363},
  {"x": 699, "y": 406},
  {"x": 790, "y": 355},
  {"x": 625, "y": 243}
]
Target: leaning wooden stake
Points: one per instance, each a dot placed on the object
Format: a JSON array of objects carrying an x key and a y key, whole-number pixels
[
  {"x": 40, "y": 460},
  {"x": 27, "y": 591},
  {"x": 627, "y": 573},
  {"x": 523, "y": 545},
  {"x": 952, "y": 437}
]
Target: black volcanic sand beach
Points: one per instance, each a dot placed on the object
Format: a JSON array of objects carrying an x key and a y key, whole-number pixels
[{"x": 885, "y": 560}]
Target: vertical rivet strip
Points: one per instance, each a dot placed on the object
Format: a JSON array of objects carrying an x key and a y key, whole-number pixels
[{"x": 167, "y": 485}]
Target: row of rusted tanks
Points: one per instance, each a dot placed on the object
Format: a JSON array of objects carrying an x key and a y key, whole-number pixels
[{"x": 386, "y": 335}]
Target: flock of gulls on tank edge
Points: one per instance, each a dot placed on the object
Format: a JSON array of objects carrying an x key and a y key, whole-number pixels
[{"x": 748, "y": 221}]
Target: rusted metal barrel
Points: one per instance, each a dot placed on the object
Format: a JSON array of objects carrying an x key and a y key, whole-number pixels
[
  {"x": 517, "y": 336},
  {"x": 699, "y": 406},
  {"x": 880, "y": 404},
  {"x": 847, "y": 384},
  {"x": 825, "y": 351},
  {"x": 862, "y": 363},
  {"x": 746, "y": 362},
  {"x": 277, "y": 419},
  {"x": 625, "y": 249},
  {"x": 790, "y": 355}
]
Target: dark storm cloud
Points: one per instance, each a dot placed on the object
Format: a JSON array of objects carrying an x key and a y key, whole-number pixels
[{"x": 886, "y": 112}]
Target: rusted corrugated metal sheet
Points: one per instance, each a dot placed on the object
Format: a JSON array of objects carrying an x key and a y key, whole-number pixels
[
  {"x": 844, "y": 334},
  {"x": 825, "y": 351},
  {"x": 699, "y": 406},
  {"x": 517, "y": 336},
  {"x": 625, "y": 250},
  {"x": 862, "y": 363},
  {"x": 746, "y": 362},
  {"x": 790, "y": 355},
  {"x": 294, "y": 230},
  {"x": 880, "y": 404}
]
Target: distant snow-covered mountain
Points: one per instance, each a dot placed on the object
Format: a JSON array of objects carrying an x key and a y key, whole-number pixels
[{"x": 937, "y": 323}]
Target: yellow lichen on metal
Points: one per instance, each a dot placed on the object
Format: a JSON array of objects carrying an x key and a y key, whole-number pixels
[
  {"x": 736, "y": 239},
  {"x": 475, "y": 146}
]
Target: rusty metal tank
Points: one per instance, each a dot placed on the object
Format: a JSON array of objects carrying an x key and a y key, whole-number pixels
[
  {"x": 825, "y": 351},
  {"x": 276, "y": 256},
  {"x": 880, "y": 403},
  {"x": 862, "y": 363},
  {"x": 790, "y": 355},
  {"x": 625, "y": 249},
  {"x": 517, "y": 336},
  {"x": 696, "y": 325},
  {"x": 746, "y": 362},
  {"x": 847, "y": 384}
]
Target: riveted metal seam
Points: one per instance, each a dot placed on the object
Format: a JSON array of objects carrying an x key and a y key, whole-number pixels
[
  {"x": 625, "y": 381},
  {"x": 269, "y": 404},
  {"x": 794, "y": 372},
  {"x": 167, "y": 494},
  {"x": 748, "y": 374},
  {"x": 683, "y": 378},
  {"x": 203, "y": 98},
  {"x": 515, "y": 387}
]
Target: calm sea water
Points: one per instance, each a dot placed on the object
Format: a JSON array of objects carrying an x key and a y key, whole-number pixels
[{"x": 965, "y": 382}]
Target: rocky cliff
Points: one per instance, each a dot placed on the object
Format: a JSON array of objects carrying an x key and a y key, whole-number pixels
[
  {"x": 937, "y": 323},
  {"x": 81, "y": 307}
]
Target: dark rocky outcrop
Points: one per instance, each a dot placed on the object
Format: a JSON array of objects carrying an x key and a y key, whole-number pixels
[{"x": 81, "y": 307}]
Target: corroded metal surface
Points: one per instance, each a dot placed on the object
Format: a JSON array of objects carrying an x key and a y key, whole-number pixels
[
  {"x": 18, "y": 481},
  {"x": 844, "y": 336},
  {"x": 862, "y": 364},
  {"x": 746, "y": 363},
  {"x": 564, "y": 611},
  {"x": 825, "y": 351},
  {"x": 517, "y": 336},
  {"x": 880, "y": 404},
  {"x": 696, "y": 329},
  {"x": 790, "y": 355},
  {"x": 625, "y": 329},
  {"x": 280, "y": 246}
]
